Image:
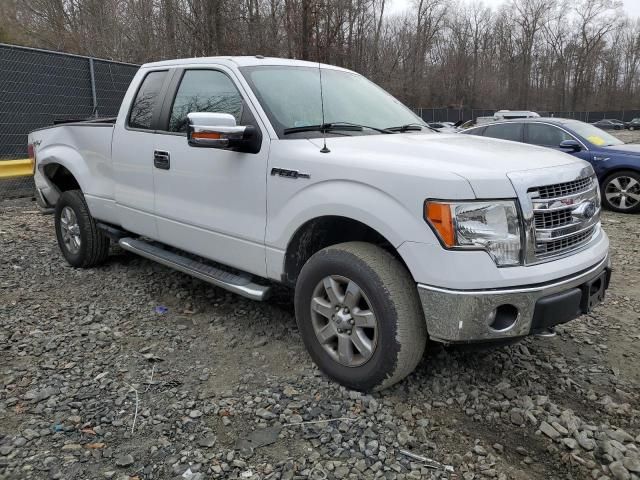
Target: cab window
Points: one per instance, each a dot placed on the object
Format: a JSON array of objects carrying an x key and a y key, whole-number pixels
[
  {"x": 147, "y": 98},
  {"x": 204, "y": 91},
  {"x": 505, "y": 131}
]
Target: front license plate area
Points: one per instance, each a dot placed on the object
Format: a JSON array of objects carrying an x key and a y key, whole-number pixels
[{"x": 593, "y": 292}]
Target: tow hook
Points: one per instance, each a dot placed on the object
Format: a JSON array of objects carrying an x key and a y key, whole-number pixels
[{"x": 546, "y": 333}]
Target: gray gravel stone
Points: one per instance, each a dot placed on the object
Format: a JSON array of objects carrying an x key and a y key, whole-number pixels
[
  {"x": 632, "y": 464},
  {"x": 266, "y": 414},
  {"x": 207, "y": 441},
  {"x": 124, "y": 460},
  {"x": 480, "y": 450},
  {"x": 549, "y": 431},
  {"x": 585, "y": 442},
  {"x": 618, "y": 471}
]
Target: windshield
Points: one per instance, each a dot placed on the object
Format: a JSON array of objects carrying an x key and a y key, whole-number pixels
[
  {"x": 595, "y": 135},
  {"x": 290, "y": 97}
]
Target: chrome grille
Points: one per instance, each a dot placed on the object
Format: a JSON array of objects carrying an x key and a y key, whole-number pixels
[
  {"x": 556, "y": 218},
  {"x": 561, "y": 189},
  {"x": 564, "y": 244},
  {"x": 565, "y": 216}
]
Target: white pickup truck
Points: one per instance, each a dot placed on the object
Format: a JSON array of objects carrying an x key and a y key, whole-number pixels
[{"x": 244, "y": 172}]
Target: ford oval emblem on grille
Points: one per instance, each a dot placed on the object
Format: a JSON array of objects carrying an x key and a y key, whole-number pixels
[{"x": 585, "y": 211}]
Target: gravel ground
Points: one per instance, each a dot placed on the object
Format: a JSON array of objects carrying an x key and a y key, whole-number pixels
[{"x": 98, "y": 382}]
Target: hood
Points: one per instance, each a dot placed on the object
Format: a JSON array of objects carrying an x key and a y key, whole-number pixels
[
  {"x": 483, "y": 162},
  {"x": 628, "y": 149}
]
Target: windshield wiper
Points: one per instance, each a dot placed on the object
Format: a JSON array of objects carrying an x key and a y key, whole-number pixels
[
  {"x": 410, "y": 127},
  {"x": 333, "y": 126}
]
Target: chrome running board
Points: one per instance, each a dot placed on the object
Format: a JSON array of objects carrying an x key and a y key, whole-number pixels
[{"x": 240, "y": 283}]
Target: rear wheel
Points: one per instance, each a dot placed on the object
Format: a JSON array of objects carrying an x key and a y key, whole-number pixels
[
  {"x": 81, "y": 242},
  {"x": 621, "y": 191},
  {"x": 359, "y": 315}
]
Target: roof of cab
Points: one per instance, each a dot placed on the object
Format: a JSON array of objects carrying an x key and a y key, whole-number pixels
[{"x": 246, "y": 61}]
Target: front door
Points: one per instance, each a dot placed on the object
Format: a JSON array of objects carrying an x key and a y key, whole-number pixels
[
  {"x": 208, "y": 201},
  {"x": 551, "y": 136}
]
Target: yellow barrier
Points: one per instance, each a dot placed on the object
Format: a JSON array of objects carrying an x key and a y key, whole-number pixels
[{"x": 16, "y": 168}]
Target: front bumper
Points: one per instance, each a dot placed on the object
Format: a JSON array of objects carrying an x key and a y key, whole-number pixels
[{"x": 465, "y": 316}]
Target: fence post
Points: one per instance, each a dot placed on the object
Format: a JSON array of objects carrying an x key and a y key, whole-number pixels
[{"x": 92, "y": 73}]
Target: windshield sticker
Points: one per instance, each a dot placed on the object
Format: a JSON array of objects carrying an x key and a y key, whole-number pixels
[{"x": 596, "y": 140}]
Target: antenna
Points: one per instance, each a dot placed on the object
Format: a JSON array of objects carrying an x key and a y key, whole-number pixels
[{"x": 324, "y": 148}]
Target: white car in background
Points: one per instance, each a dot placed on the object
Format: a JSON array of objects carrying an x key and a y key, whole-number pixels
[{"x": 514, "y": 114}]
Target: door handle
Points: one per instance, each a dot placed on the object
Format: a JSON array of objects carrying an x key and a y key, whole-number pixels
[{"x": 161, "y": 160}]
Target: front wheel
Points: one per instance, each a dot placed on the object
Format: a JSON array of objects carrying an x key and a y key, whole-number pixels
[
  {"x": 359, "y": 315},
  {"x": 621, "y": 191},
  {"x": 81, "y": 242}
]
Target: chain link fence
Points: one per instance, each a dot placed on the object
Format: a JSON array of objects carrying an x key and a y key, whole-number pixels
[{"x": 41, "y": 87}]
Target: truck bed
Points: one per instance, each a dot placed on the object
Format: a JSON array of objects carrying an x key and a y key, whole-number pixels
[{"x": 80, "y": 147}]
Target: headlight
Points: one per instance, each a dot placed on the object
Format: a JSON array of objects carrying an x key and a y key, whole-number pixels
[{"x": 491, "y": 226}]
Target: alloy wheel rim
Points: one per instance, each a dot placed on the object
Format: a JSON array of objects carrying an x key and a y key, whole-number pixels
[
  {"x": 623, "y": 192},
  {"x": 343, "y": 320},
  {"x": 70, "y": 230}
]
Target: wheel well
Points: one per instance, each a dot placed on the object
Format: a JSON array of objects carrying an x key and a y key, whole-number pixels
[
  {"x": 323, "y": 232},
  {"x": 61, "y": 177},
  {"x": 617, "y": 170}
]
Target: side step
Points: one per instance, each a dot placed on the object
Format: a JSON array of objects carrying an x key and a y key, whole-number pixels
[{"x": 241, "y": 284}]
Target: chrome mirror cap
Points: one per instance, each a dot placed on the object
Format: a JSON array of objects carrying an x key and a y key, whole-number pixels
[
  {"x": 212, "y": 119},
  {"x": 214, "y": 130}
]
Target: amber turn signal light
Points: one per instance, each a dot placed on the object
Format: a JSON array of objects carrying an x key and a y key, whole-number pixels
[
  {"x": 439, "y": 216},
  {"x": 206, "y": 135}
]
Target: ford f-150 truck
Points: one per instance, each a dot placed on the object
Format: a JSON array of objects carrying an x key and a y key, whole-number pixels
[{"x": 250, "y": 171}]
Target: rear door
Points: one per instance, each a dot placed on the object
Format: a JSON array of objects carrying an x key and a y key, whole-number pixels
[
  {"x": 132, "y": 154},
  {"x": 208, "y": 201}
]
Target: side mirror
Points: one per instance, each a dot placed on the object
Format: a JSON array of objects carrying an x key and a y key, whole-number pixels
[
  {"x": 570, "y": 145},
  {"x": 219, "y": 130}
]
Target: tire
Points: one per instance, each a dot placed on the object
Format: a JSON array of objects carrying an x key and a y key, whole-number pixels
[
  {"x": 616, "y": 189},
  {"x": 632, "y": 128},
  {"x": 399, "y": 339},
  {"x": 74, "y": 224}
]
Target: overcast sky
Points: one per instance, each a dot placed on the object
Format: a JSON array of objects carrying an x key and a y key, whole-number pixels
[{"x": 631, "y": 6}]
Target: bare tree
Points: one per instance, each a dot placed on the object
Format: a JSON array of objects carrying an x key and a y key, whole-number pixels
[{"x": 539, "y": 54}]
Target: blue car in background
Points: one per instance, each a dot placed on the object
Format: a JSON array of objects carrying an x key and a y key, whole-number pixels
[{"x": 616, "y": 164}]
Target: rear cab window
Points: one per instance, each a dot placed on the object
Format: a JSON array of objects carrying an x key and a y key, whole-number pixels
[{"x": 147, "y": 100}]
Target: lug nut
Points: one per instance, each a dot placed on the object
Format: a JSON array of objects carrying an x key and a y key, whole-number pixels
[{"x": 352, "y": 321}]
